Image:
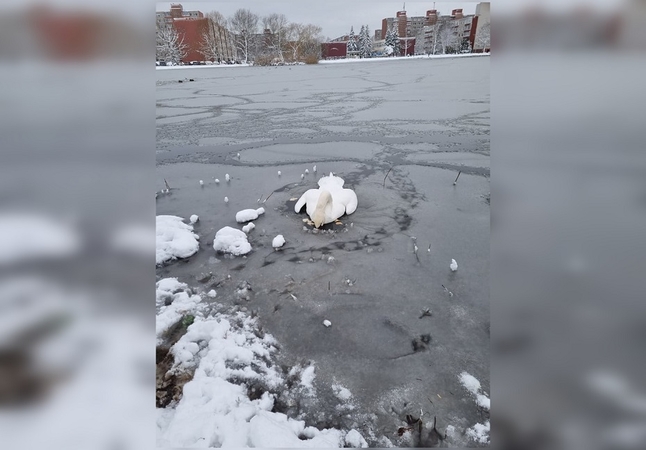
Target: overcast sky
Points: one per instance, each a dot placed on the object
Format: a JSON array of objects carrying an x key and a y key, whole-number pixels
[{"x": 334, "y": 16}]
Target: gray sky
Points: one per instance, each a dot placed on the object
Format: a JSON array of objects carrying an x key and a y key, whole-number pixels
[{"x": 334, "y": 16}]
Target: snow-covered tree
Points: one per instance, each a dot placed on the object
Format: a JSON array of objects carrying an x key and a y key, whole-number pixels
[
  {"x": 392, "y": 41},
  {"x": 352, "y": 41},
  {"x": 303, "y": 41},
  {"x": 244, "y": 25},
  {"x": 170, "y": 45},
  {"x": 365, "y": 42},
  {"x": 447, "y": 38},
  {"x": 483, "y": 37}
]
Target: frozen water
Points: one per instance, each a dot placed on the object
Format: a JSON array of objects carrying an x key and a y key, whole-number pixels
[{"x": 397, "y": 132}]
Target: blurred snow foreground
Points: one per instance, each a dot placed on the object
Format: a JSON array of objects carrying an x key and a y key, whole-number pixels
[
  {"x": 175, "y": 239},
  {"x": 217, "y": 383}
]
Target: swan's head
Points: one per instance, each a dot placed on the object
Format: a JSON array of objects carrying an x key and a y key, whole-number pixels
[{"x": 319, "y": 213}]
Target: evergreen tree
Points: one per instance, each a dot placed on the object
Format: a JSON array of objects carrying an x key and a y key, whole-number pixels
[
  {"x": 352, "y": 41},
  {"x": 392, "y": 40},
  {"x": 365, "y": 42}
]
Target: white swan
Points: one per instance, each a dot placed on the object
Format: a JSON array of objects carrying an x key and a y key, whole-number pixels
[{"x": 329, "y": 202}]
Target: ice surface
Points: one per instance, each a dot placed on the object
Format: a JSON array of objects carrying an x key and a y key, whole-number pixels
[
  {"x": 175, "y": 239},
  {"x": 372, "y": 128},
  {"x": 230, "y": 240}
]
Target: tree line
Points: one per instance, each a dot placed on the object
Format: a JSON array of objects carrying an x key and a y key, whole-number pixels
[{"x": 245, "y": 37}]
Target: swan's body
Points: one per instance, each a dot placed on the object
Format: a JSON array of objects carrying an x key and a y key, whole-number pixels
[{"x": 329, "y": 202}]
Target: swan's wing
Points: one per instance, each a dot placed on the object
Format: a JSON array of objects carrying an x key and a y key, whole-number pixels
[
  {"x": 350, "y": 201},
  {"x": 306, "y": 198},
  {"x": 331, "y": 181}
]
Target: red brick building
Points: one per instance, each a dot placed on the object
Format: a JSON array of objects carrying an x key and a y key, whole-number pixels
[
  {"x": 334, "y": 50},
  {"x": 190, "y": 25}
]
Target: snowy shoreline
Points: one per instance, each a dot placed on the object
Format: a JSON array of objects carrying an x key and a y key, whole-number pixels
[{"x": 336, "y": 61}]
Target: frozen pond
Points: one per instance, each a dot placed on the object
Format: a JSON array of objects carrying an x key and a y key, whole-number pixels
[{"x": 419, "y": 122}]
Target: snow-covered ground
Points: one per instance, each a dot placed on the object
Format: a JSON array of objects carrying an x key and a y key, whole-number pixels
[
  {"x": 402, "y": 58},
  {"x": 402, "y": 327}
]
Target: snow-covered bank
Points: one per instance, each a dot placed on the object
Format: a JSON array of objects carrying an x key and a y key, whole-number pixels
[
  {"x": 206, "y": 66},
  {"x": 402, "y": 58},
  {"x": 229, "y": 399}
]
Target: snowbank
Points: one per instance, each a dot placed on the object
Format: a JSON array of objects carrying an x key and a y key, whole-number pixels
[
  {"x": 402, "y": 58},
  {"x": 229, "y": 355},
  {"x": 206, "y": 66},
  {"x": 230, "y": 240},
  {"x": 248, "y": 214},
  {"x": 172, "y": 303},
  {"x": 175, "y": 239}
]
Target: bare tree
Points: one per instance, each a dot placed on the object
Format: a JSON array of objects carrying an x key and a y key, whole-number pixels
[
  {"x": 277, "y": 25},
  {"x": 448, "y": 38},
  {"x": 303, "y": 40},
  {"x": 483, "y": 37},
  {"x": 170, "y": 45},
  {"x": 244, "y": 24}
]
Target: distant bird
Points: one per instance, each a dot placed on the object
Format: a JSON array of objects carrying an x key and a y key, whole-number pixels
[
  {"x": 238, "y": 154},
  {"x": 302, "y": 176},
  {"x": 201, "y": 183},
  {"x": 314, "y": 169},
  {"x": 329, "y": 202},
  {"x": 227, "y": 178},
  {"x": 226, "y": 199},
  {"x": 454, "y": 265},
  {"x": 279, "y": 173},
  {"x": 307, "y": 170},
  {"x": 217, "y": 181}
]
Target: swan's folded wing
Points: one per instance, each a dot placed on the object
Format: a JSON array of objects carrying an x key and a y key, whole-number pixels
[
  {"x": 351, "y": 201},
  {"x": 304, "y": 199}
]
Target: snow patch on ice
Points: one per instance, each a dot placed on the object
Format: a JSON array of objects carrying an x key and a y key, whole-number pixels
[
  {"x": 230, "y": 240},
  {"x": 278, "y": 241},
  {"x": 173, "y": 301},
  {"x": 307, "y": 377},
  {"x": 478, "y": 432},
  {"x": 354, "y": 440},
  {"x": 248, "y": 227},
  {"x": 175, "y": 239},
  {"x": 248, "y": 214}
]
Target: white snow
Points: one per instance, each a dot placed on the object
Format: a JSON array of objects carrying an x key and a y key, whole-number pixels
[
  {"x": 174, "y": 239},
  {"x": 230, "y": 240},
  {"x": 341, "y": 392},
  {"x": 354, "y": 440},
  {"x": 248, "y": 227},
  {"x": 202, "y": 67},
  {"x": 454, "y": 265},
  {"x": 396, "y": 58},
  {"x": 327, "y": 323},
  {"x": 170, "y": 290},
  {"x": 201, "y": 182},
  {"x": 279, "y": 173},
  {"x": 217, "y": 181},
  {"x": 226, "y": 199},
  {"x": 307, "y": 170},
  {"x": 212, "y": 293},
  {"x": 28, "y": 236},
  {"x": 248, "y": 214},
  {"x": 278, "y": 241},
  {"x": 194, "y": 218},
  {"x": 479, "y": 432},
  {"x": 314, "y": 168},
  {"x": 227, "y": 177},
  {"x": 307, "y": 377},
  {"x": 214, "y": 411}
]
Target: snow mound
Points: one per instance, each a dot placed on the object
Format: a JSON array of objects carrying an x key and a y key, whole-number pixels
[
  {"x": 175, "y": 239},
  {"x": 248, "y": 214},
  {"x": 133, "y": 239},
  {"x": 354, "y": 440},
  {"x": 27, "y": 236},
  {"x": 479, "y": 432},
  {"x": 230, "y": 240},
  {"x": 248, "y": 227},
  {"x": 194, "y": 218},
  {"x": 228, "y": 356},
  {"x": 341, "y": 392},
  {"x": 278, "y": 241}
]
